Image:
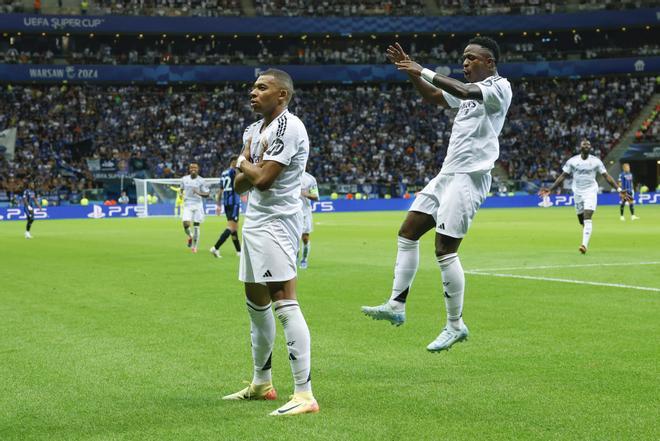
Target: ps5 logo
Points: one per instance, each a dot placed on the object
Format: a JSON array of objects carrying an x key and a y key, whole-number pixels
[{"x": 323, "y": 206}]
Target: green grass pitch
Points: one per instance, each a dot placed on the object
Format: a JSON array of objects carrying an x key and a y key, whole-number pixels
[{"x": 112, "y": 330}]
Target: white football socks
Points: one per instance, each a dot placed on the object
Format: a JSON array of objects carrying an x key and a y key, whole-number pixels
[
  {"x": 297, "y": 337},
  {"x": 407, "y": 262},
  {"x": 586, "y": 232},
  {"x": 262, "y": 331},
  {"x": 453, "y": 281}
]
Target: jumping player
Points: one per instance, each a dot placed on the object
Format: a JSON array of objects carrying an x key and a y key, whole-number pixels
[{"x": 450, "y": 201}]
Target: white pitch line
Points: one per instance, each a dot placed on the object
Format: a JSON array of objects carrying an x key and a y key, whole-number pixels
[
  {"x": 584, "y": 265},
  {"x": 553, "y": 279}
]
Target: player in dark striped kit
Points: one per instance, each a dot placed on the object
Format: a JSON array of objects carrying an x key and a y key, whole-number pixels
[
  {"x": 626, "y": 184},
  {"x": 30, "y": 202},
  {"x": 232, "y": 204}
]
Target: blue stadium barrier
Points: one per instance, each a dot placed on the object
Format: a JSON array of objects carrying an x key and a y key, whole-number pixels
[
  {"x": 163, "y": 74},
  {"x": 326, "y": 25},
  {"x": 339, "y": 205}
]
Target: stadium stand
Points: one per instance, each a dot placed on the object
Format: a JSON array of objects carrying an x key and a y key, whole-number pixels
[
  {"x": 342, "y": 8},
  {"x": 76, "y": 137},
  {"x": 396, "y": 142},
  {"x": 250, "y": 50}
]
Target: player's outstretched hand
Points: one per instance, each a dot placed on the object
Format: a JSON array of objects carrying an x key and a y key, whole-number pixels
[
  {"x": 543, "y": 192},
  {"x": 409, "y": 67},
  {"x": 395, "y": 53}
]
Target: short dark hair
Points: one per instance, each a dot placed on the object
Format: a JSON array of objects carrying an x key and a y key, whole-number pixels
[
  {"x": 489, "y": 44},
  {"x": 283, "y": 78}
]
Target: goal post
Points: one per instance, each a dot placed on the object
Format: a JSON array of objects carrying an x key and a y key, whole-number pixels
[{"x": 164, "y": 191}]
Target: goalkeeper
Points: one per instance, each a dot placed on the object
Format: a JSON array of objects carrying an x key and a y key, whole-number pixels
[{"x": 178, "y": 203}]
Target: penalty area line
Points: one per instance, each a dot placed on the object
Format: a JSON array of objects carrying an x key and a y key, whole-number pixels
[{"x": 554, "y": 279}]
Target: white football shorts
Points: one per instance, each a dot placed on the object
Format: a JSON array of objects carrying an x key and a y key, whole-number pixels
[
  {"x": 308, "y": 226},
  {"x": 585, "y": 200},
  {"x": 193, "y": 213},
  {"x": 269, "y": 251},
  {"x": 453, "y": 200}
]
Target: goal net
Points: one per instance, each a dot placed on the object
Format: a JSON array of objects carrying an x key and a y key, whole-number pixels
[{"x": 158, "y": 196}]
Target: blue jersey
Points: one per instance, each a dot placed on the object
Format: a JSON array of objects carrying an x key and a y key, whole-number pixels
[
  {"x": 626, "y": 181},
  {"x": 229, "y": 196},
  {"x": 29, "y": 199}
]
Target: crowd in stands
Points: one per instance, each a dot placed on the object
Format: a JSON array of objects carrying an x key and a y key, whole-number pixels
[
  {"x": 360, "y": 134},
  {"x": 649, "y": 131},
  {"x": 548, "y": 118},
  {"x": 530, "y": 7},
  {"x": 196, "y": 49},
  {"x": 48, "y": 122},
  {"x": 197, "y": 8},
  {"x": 342, "y": 8}
]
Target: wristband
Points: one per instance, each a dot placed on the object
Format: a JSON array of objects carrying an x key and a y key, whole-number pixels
[
  {"x": 619, "y": 189},
  {"x": 239, "y": 161},
  {"x": 428, "y": 75}
]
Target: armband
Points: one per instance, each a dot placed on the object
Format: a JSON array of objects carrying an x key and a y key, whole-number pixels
[{"x": 428, "y": 75}]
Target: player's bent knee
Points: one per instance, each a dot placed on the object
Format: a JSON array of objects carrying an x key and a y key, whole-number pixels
[
  {"x": 446, "y": 245},
  {"x": 282, "y": 290}
]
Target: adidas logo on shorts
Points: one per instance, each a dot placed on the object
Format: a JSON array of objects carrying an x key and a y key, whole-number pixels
[{"x": 267, "y": 274}]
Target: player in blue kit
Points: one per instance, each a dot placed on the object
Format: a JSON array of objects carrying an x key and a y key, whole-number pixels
[
  {"x": 30, "y": 202},
  {"x": 626, "y": 184},
  {"x": 232, "y": 204}
]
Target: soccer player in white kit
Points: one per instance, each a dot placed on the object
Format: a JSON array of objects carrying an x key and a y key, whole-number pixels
[
  {"x": 309, "y": 193},
  {"x": 584, "y": 168},
  {"x": 271, "y": 166},
  {"x": 194, "y": 191},
  {"x": 450, "y": 201}
]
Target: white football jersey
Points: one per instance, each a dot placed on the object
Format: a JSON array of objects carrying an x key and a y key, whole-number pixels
[
  {"x": 188, "y": 184},
  {"x": 309, "y": 185},
  {"x": 584, "y": 172},
  {"x": 473, "y": 145},
  {"x": 284, "y": 140}
]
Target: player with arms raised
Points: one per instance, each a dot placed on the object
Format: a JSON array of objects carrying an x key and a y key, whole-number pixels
[
  {"x": 584, "y": 168},
  {"x": 231, "y": 201},
  {"x": 275, "y": 153},
  {"x": 194, "y": 191},
  {"x": 450, "y": 201}
]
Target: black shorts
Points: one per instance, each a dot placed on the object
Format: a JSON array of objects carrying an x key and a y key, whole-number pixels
[
  {"x": 232, "y": 212},
  {"x": 29, "y": 214}
]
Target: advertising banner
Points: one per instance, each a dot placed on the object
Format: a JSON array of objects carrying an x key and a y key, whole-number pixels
[
  {"x": 324, "y": 25},
  {"x": 165, "y": 74},
  {"x": 340, "y": 205}
]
